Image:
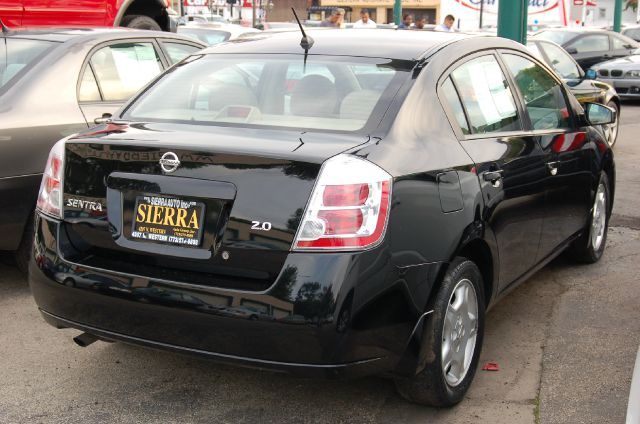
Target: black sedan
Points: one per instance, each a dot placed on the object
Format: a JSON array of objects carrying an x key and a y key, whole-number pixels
[
  {"x": 55, "y": 82},
  {"x": 371, "y": 221},
  {"x": 589, "y": 46},
  {"x": 583, "y": 85}
]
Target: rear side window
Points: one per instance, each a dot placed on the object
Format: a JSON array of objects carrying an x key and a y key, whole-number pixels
[
  {"x": 178, "y": 51},
  {"x": 591, "y": 43},
  {"x": 620, "y": 43},
  {"x": 208, "y": 36},
  {"x": 633, "y": 33},
  {"x": 545, "y": 101},
  {"x": 122, "y": 69},
  {"x": 486, "y": 96},
  {"x": 18, "y": 54},
  {"x": 450, "y": 96},
  {"x": 89, "y": 91}
]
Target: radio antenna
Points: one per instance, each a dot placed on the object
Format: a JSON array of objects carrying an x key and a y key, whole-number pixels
[{"x": 307, "y": 42}]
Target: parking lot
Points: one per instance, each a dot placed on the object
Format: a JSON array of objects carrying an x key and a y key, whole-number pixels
[{"x": 565, "y": 343}]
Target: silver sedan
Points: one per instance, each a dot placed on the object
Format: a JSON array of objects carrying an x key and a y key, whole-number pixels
[{"x": 623, "y": 74}]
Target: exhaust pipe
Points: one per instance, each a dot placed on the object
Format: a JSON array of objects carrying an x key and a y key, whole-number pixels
[{"x": 85, "y": 339}]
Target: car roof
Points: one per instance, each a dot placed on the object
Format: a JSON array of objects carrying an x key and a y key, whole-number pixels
[
  {"x": 81, "y": 35},
  {"x": 387, "y": 43}
]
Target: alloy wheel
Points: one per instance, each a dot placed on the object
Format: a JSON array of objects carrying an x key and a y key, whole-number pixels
[
  {"x": 459, "y": 333},
  {"x": 599, "y": 218},
  {"x": 612, "y": 129}
]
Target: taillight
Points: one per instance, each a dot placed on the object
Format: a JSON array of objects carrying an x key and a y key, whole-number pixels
[
  {"x": 50, "y": 195},
  {"x": 349, "y": 206}
]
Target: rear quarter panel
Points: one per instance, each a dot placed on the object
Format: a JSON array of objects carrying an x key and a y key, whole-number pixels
[{"x": 419, "y": 149}]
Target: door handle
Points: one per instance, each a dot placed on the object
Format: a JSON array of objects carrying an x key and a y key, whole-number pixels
[
  {"x": 493, "y": 177},
  {"x": 553, "y": 167}
]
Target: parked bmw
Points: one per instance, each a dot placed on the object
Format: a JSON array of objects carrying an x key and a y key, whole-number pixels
[
  {"x": 623, "y": 74},
  {"x": 589, "y": 46},
  {"x": 373, "y": 223},
  {"x": 55, "y": 82},
  {"x": 582, "y": 84}
]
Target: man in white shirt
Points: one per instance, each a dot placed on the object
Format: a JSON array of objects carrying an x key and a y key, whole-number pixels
[
  {"x": 447, "y": 26},
  {"x": 365, "y": 21}
]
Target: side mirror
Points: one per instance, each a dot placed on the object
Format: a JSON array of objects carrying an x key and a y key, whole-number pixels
[
  {"x": 571, "y": 50},
  {"x": 598, "y": 114},
  {"x": 591, "y": 74},
  {"x": 106, "y": 117}
]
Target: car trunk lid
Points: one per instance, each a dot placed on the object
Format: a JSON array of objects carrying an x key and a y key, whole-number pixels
[{"x": 225, "y": 216}]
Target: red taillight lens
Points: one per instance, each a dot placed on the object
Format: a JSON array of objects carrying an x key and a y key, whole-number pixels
[
  {"x": 352, "y": 215},
  {"x": 345, "y": 195},
  {"x": 50, "y": 195}
]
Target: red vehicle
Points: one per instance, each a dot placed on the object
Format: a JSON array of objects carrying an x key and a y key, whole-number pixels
[{"x": 141, "y": 14}]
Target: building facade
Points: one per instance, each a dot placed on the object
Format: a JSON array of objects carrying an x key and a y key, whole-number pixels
[{"x": 381, "y": 11}]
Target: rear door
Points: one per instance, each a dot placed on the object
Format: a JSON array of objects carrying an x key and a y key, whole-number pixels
[
  {"x": 509, "y": 162},
  {"x": 11, "y": 13},
  {"x": 590, "y": 49},
  {"x": 566, "y": 151},
  {"x": 113, "y": 72},
  {"x": 64, "y": 12}
]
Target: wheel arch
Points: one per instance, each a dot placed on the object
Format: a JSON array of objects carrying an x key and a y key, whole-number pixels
[
  {"x": 477, "y": 245},
  {"x": 479, "y": 252},
  {"x": 609, "y": 168},
  {"x": 155, "y": 9}
]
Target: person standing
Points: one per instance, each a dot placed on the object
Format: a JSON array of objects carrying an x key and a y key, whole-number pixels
[
  {"x": 406, "y": 21},
  {"x": 335, "y": 20},
  {"x": 447, "y": 25},
  {"x": 420, "y": 22},
  {"x": 365, "y": 21}
]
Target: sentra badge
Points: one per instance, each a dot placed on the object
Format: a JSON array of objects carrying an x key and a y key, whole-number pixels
[
  {"x": 169, "y": 162},
  {"x": 84, "y": 204}
]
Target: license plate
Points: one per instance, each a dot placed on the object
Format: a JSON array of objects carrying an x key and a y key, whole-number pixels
[{"x": 168, "y": 220}]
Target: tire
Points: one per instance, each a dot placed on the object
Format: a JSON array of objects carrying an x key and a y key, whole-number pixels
[
  {"x": 23, "y": 253},
  {"x": 140, "y": 22},
  {"x": 430, "y": 386},
  {"x": 589, "y": 247},
  {"x": 612, "y": 130}
]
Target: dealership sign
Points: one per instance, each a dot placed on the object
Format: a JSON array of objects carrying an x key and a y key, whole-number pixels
[
  {"x": 539, "y": 12},
  {"x": 491, "y": 6}
]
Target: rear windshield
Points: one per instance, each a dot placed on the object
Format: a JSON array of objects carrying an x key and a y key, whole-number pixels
[
  {"x": 210, "y": 37},
  {"x": 559, "y": 37},
  {"x": 323, "y": 93},
  {"x": 16, "y": 55}
]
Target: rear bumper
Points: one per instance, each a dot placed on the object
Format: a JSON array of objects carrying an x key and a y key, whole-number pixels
[{"x": 332, "y": 315}]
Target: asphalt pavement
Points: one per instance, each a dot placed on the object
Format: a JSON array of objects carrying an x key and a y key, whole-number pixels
[{"x": 565, "y": 342}]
